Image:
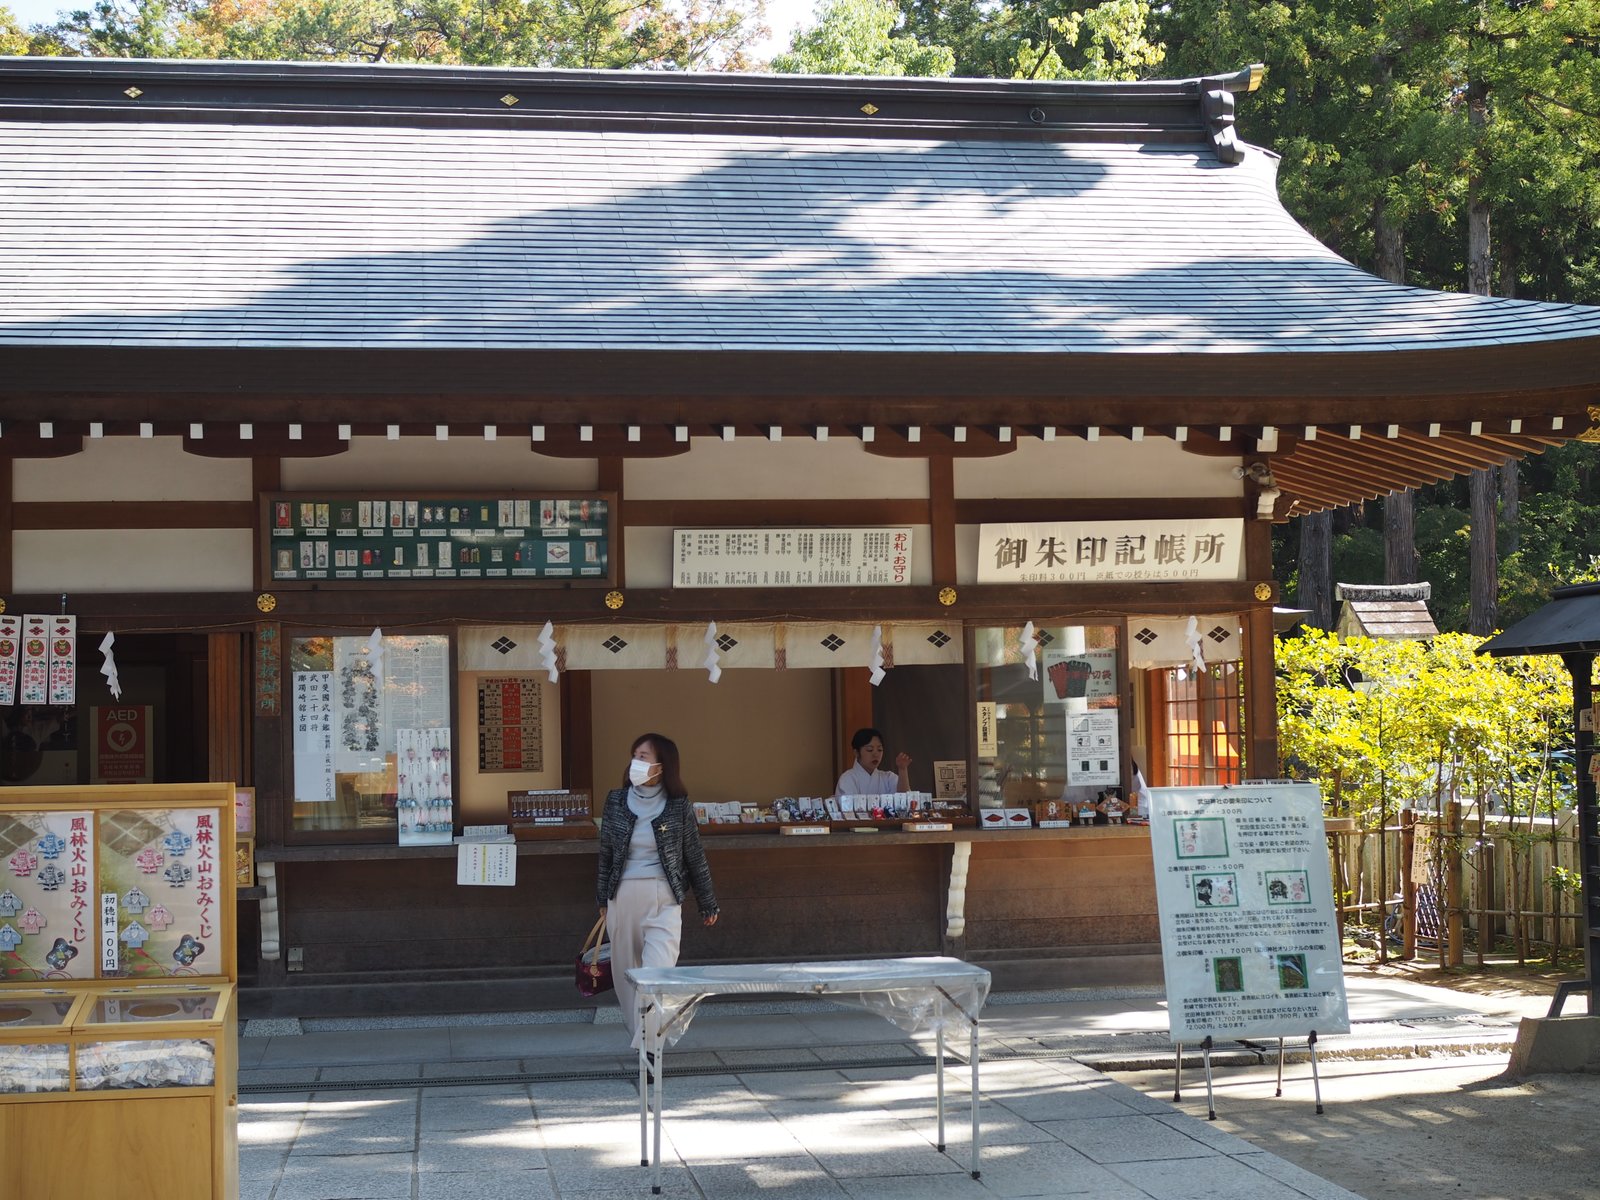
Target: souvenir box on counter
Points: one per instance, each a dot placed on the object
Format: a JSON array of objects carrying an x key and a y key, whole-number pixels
[
  {"x": 554, "y": 815},
  {"x": 794, "y": 815},
  {"x": 117, "y": 991}
]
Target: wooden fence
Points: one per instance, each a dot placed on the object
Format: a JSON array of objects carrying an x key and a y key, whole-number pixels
[{"x": 1463, "y": 878}]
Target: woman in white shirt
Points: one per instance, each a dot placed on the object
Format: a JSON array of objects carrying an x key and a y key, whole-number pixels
[{"x": 865, "y": 778}]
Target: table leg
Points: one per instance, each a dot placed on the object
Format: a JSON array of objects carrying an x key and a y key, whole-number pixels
[
  {"x": 660, "y": 1073},
  {"x": 644, "y": 1114},
  {"x": 976, "y": 1137},
  {"x": 939, "y": 1076}
]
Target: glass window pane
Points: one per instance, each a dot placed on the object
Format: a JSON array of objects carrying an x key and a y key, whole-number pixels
[
  {"x": 360, "y": 724},
  {"x": 1058, "y": 736}
]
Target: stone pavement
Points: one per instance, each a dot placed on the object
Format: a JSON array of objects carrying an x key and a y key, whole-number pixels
[{"x": 788, "y": 1101}]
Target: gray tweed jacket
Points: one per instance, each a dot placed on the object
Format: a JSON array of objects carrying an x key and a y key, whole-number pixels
[{"x": 683, "y": 858}]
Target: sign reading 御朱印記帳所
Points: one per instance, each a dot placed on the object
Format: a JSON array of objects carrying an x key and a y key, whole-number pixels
[
  {"x": 438, "y": 539},
  {"x": 1125, "y": 551}
]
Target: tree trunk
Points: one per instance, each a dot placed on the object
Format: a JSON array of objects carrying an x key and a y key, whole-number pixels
[
  {"x": 1389, "y": 244},
  {"x": 1479, "y": 260},
  {"x": 1511, "y": 506},
  {"x": 1399, "y": 508},
  {"x": 1484, "y": 611},
  {"x": 1400, "y": 537},
  {"x": 1483, "y": 486},
  {"x": 1315, "y": 590}
]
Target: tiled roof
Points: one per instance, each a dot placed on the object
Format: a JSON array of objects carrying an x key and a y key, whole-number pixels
[{"x": 221, "y": 234}]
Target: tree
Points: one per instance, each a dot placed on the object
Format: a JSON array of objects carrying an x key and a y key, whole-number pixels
[
  {"x": 1039, "y": 39},
  {"x": 856, "y": 37},
  {"x": 665, "y": 34},
  {"x": 1441, "y": 719}
]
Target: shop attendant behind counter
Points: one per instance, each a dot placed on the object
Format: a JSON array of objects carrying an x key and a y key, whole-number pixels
[{"x": 865, "y": 778}]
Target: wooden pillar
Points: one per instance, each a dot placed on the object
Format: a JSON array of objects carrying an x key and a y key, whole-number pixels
[
  {"x": 1260, "y": 695},
  {"x": 611, "y": 478},
  {"x": 577, "y": 734},
  {"x": 266, "y": 475},
  {"x": 227, "y": 756},
  {"x": 1408, "y": 887},
  {"x": 942, "y": 520},
  {"x": 8, "y": 525},
  {"x": 852, "y": 710},
  {"x": 1454, "y": 894}
]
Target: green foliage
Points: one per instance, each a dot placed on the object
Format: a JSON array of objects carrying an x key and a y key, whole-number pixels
[
  {"x": 1040, "y": 39},
  {"x": 676, "y": 34},
  {"x": 1440, "y": 721},
  {"x": 856, "y": 37}
]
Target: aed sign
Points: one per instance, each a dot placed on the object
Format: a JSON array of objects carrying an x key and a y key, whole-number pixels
[{"x": 120, "y": 751}]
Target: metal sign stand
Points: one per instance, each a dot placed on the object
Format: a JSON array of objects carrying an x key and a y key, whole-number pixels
[{"x": 1206, "y": 1047}]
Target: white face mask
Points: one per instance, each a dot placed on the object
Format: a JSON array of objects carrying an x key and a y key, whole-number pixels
[{"x": 639, "y": 771}]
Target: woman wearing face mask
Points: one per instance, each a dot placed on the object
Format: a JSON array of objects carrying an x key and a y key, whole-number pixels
[{"x": 650, "y": 857}]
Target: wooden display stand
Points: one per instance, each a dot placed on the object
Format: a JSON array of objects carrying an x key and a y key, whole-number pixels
[{"x": 117, "y": 1006}]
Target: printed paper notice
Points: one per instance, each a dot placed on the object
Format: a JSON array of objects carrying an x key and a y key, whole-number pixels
[
  {"x": 486, "y": 864},
  {"x": 1092, "y": 749},
  {"x": 1248, "y": 935}
]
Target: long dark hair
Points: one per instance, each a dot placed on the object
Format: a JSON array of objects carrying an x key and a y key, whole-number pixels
[{"x": 667, "y": 755}]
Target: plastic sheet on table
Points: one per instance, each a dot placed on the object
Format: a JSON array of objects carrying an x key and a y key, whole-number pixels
[{"x": 919, "y": 995}]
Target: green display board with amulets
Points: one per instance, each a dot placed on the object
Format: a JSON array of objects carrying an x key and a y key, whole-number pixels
[{"x": 438, "y": 539}]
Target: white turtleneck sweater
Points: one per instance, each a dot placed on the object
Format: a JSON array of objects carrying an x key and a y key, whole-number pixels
[{"x": 644, "y": 857}]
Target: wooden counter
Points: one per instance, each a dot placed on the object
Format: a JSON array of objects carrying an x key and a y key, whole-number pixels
[{"x": 393, "y": 917}]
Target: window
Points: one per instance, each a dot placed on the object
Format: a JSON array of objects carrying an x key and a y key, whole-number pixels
[
  {"x": 1056, "y": 737},
  {"x": 1204, "y": 717},
  {"x": 371, "y": 736}
]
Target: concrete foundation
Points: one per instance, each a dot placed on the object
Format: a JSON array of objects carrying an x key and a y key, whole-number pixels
[{"x": 1555, "y": 1045}]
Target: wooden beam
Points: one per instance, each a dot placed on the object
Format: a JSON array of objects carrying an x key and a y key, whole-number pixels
[
  {"x": 133, "y": 514},
  {"x": 357, "y": 609},
  {"x": 777, "y": 513}
]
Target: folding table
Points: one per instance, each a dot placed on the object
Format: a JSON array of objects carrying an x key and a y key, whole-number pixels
[{"x": 920, "y": 995}]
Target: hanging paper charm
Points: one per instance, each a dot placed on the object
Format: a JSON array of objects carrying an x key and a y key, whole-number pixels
[
  {"x": 713, "y": 667},
  {"x": 10, "y": 645},
  {"x": 877, "y": 655},
  {"x": 547, "y": 651},
  {"x": 1030, "y": 651},
  {"x": 108, "y": 668},
  {"x": 35, "y": 659},
  {"x": 375, "y": 657},
  {"x": 1197, "y": 646}
]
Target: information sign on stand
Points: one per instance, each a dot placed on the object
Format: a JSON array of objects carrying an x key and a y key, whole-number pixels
[{"x": 1249, "y": 939}]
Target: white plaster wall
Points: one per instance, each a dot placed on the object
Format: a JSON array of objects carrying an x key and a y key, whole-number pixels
[
  {"x": 793, "y": 469},
  {"x": 752, "y": 736},
  {"x": 414, "y": 464},
  {"x": 483, "y": 794},
  {"x": 1112, "y": 466},
  {"x": 128, "y": 468},
  {"x": 132, "y": 560},
  {"x": 649, "y": 556}
]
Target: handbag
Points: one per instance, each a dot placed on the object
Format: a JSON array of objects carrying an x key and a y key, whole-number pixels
[{"x": 594, "y": 962}]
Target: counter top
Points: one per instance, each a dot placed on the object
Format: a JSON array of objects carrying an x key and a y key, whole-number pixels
[{"x": 375, "y": 851}]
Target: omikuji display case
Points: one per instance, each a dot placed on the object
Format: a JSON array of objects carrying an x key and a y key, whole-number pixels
[{"x": 118, "y": 1042}]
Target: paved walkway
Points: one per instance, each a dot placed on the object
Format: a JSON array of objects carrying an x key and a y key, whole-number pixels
[{"x": 790, "y": 1101}]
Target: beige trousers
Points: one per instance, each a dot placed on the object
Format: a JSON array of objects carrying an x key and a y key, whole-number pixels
[{"x": 645, "y": 924}]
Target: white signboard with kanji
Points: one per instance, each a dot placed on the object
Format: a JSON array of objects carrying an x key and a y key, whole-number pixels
[
  {"x": 1249, "y": 939},
  {"x": 1111, "y": 551},
  {"x": 703, "y": 558}
]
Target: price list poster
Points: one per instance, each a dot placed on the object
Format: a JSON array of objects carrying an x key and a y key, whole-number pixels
[
  {"x": 510, "y": 724},
  {"x": 1248, "y": 935}
]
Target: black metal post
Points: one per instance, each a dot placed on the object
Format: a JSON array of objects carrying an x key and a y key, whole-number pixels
[{"x": 1581, "y": 667}]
